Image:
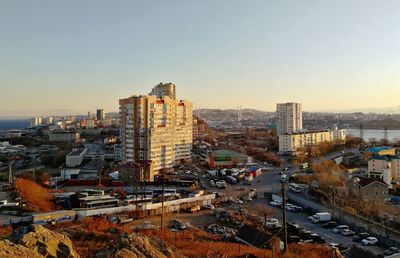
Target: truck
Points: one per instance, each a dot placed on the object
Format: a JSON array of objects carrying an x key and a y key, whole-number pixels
[{"x": 320, "y": 217}]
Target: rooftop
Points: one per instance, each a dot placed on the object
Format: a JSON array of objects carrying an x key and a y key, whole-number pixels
[
  {"x": 379, "y": 149},
  {"x": 364, "y": 181},
  {"x": 76, "y": 152}
]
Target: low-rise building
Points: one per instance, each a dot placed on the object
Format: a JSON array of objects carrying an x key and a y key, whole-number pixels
[
  {"x": 227, "y": 158},
  {"x": 64, "y": 136},
  {"x": 291, "y": 142},
  {"x": 384, "y": 167},
  {"x": 75, "y": 157},
  {"x": 379, "y": 151},
  {"x": 368, "y": 188}
]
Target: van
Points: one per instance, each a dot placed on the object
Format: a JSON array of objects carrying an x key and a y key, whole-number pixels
[{"x": 283, "y": 178}]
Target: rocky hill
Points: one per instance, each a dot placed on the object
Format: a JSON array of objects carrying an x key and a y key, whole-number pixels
[{"x": 40, "y": 242}]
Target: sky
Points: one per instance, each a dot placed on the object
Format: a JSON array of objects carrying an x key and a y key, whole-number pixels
[{"x": 70, "y": 57}]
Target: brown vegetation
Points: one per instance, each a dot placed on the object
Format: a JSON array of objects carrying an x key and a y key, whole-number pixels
[
  {"x": 328, "y": 173},
  {"x": 263, "y": 156},
  {"x": 37, "y": 197}
]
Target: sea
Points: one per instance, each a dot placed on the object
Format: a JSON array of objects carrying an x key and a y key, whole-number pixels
[
  {"x": 393, "y": 135},
  {"x": 9, "y": 124}
]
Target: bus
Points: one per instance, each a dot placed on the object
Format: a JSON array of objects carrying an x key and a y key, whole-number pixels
[
  {"x": 91, "y": 192},
  {"x": 97, "y": 202}
]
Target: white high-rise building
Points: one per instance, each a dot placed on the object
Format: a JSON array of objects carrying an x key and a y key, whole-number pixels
[
  {"x": 156, "y": 128},
  {"x": 36, "y": 121},
  {"x": 289, "y": 117}
]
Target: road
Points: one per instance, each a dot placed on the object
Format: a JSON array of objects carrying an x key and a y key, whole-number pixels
[{"x": 271, "y": 182}]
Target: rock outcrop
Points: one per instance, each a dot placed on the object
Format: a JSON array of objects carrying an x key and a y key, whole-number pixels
[
  {"x": 140, "y": 246},
  {"x": 39, "y": 242}
]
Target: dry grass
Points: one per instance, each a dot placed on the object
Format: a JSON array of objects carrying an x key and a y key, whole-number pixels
[{"x": 38, "y": 197}]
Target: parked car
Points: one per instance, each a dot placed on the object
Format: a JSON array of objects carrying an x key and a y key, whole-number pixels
[
  {"x": 347, "y": 232},
  {"x": 294, "y": 239},
  {"x": 369, "y": 241},
  {"x": 318, "y": 239},
  {"x": 209, "y": 206},
  {"x": 246, "y": 198},
  {"x": 212, "y": 183},
  {"x": 342, "y": 248},
  {"x": 340, "y": 228},
  {"x": 272, "y": 223},
  {"x": 276, "y": 204},
  {"x": 178, "y": 224},
  {"x": 330, "y": 224},
  {"x": 391, "y": 250},
  {"x": 360, "y": 236}
]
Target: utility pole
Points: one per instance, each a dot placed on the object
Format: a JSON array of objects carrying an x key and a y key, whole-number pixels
[
  {"x": 285, "y": 244},
  {"x": 162, "y": 202},
  {"x": 10, "y": 176}
]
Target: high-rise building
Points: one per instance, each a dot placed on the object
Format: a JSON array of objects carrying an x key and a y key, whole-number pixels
[
  {"x": 36, "y": 121},
  {"x": 164, "y": 89},
  {"x": 289, "y": 117},
  {"x": 99, "y": 114},
  {"x": 156, "y": 128}
]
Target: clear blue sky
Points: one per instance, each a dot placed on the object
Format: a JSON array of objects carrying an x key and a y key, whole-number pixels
[{"x": 74, "y": 56}]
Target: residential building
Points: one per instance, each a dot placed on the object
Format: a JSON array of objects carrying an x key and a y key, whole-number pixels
[
  {"x": 99, "y": 114},
  {"x": 384, "y": 167},
  {"x": 368, "y": 188},
  {"x": 75, "y": 158},
  {"x": 36, "y": 121},
  {"x": 289, "y": 117},
  {"x": 164, "y": 89},
  {"x": 64, "y": 136},
  {"x": 156, "y": 128},
  {"x": 339, "y": 135},
  {"x": 291, "y": 142}
]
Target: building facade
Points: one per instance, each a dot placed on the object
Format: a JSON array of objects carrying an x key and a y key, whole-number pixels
[
  {"x": 291, "y": 142},
  {"x": 384, "y": 167},
  {"x": 99, "y": 114},
  {"x": 156, "y": 128},
  {"x": 368, "y": 188},
  {"x": 289, "y": 117}
]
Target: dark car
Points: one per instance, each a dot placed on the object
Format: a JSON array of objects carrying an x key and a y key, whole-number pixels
[
  {"x": 305, "y": 234},
  {"x": 360, "y": 236},
  {"x": 391, "y": 250},
  {"x": 342, "y": 248},
  {"x": 318, "y": 239},
  {"x": 330, "y": 224},
  {"x": 294, "y": 239}
]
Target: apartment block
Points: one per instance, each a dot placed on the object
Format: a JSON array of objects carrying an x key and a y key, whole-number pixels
[
  {"x": 291, "y": 142},
  {"x": 156, "y": 128},
  {"x": 289, "y": 117}
]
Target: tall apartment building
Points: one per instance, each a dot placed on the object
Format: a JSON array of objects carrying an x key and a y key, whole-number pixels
[
  {"x": 156, "y": 128},
  {"x": 36, "y": 121},
  {"x": 164, "y": 89},
  {"x": 99, "y": 114},
  {"x": 289, "y": 117}
]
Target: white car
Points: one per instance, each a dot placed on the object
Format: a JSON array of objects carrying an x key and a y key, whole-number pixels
[
  {"x": 276, "y": 204},
  {"x": 369, "y": 241},
  {"x": 347, "y": 232},
  {"x": 340, "y": 228},
  {"x": 272, "y": 223}
]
